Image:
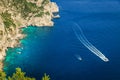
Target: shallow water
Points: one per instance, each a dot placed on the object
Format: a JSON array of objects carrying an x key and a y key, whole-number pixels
[{"x": 52, "y": 50}]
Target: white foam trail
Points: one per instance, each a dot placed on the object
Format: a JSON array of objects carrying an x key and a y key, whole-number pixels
[
  {"x": 79, "y": 33},
  {"x": 78, "y": 57}
]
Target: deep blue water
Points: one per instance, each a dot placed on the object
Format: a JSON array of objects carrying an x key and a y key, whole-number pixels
[{"x": 52, "y": 50}]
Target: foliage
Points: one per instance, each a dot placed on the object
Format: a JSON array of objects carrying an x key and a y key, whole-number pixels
[
  {"x": 19, "y": 75},
  {"x": 45, "y": 2},
  {"x": 46, "y": 77},
  {"x": 7, "y": 20},
  {"x": 2, "y": 76},
  {"x": 39, "y": 14},
  {"x": 24, "y": 7},
  {"x": 47, "y": 13}
]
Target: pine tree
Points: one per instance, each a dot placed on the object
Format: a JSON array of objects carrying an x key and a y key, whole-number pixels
[
  {"x": 45, "y": 77},
  {"x": 19, "y": 75},
  {"x": 2, "y": 75}
]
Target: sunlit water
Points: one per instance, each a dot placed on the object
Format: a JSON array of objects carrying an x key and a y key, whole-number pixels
[{"x": 53, "y": 50}]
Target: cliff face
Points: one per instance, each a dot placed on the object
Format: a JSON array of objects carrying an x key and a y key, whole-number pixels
[
  {"x": 15, "y": 14},
  {"x": 27, "y": 12}
]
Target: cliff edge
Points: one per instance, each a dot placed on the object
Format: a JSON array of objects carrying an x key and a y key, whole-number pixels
[{"x": 15, "y": 14}]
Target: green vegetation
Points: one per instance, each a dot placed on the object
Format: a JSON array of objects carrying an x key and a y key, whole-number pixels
[
  {"x": 39, "y": 14},
  {"x": 24, "y": 8},
  {"x": 2, "y": 76},
  {"x": 47, "y": 13},
  {"x": 46, "y": 77},
  {"x": 45, "y": 2},
  {"x": 7, "y": 20},
  {"x": 19, "y": 75}
]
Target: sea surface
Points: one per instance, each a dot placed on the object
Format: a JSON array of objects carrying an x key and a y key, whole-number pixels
[{"x": 53, "y": 50}]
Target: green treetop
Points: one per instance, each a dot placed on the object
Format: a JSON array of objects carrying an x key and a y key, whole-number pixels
[{"x": 19, "y": 75}]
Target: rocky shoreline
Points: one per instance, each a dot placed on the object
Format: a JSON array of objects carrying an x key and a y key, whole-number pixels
[{"x": 10, "y": 32}]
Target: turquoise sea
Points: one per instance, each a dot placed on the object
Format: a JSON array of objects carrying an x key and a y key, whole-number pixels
[{"x": 53, "y": 50}]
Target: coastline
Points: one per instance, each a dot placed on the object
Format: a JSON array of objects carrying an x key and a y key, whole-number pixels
[{"x": 11, "y": 37}]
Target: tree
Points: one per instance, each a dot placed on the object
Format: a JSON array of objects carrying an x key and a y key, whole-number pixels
[
  {"x": 2, "y": 75},
  {"x": 19, "y": 75},
  {"x": 45, "y": 77}
]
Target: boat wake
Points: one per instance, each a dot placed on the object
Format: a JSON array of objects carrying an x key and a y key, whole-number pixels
[{"x": 81, "y": 37}]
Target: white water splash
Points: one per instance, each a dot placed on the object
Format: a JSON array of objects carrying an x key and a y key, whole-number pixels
[{"x": 78, "y": 57}]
